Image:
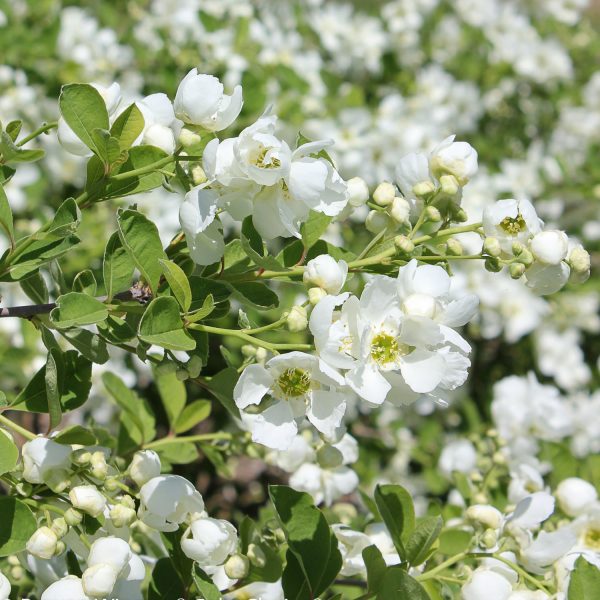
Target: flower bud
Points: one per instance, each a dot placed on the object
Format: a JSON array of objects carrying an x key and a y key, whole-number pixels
[
  {"x": 99, "y": 468},
  {"x": 454, "y": 158},
  {"x": 404, "y": 244},
  {"x": 376, "y": 221},
  {"x": 400, "y": 210},
  {"x": 326, "y": 273},
  {"x": 256, "y": 555},
  {"x": 358, "y": 191},
  {"x": 122, "y": 516},
  {"x": 297, "y": 320},
  {"x": 449, "y": 185},
  {"x": 5, "y": 587},
  {"x": 384, "y": 193},
  {"x": 82, "y": 457},
  {"x": 491, "y": 246},
  {"x": 575, "y": 496},
  {"x": 212, "y": 541},
  {"x": 485, "y": 514},
  {"x": 433, "y": 214},
  {"x": 46, "y": 461},
  {"x": 489, "y": 538},
  {"x": 237, "y": 566},
  {"x": 60, "y": 527},
  {"x": 182, "y": 375},
  {"x": 329, "y": 457},
  {"x": 423, "y": 188},
  {"x": 88, "y": 499},
  {"x": 42, "y": 543},
  {"x": 188, "y": 138},
  {"x": 261, "y": 355},
  {"x": 198, "y": 175},
  {"x": 492, "y": 264},
  {"x": 249, "y": 351},
  {"x": 454, "y": 247},
  {"x": 60, "y": 548},
  {"x": 111, "y": 484},
  {"x": 315, "y": 295},
  {"x": 516, "y": 270},
  {"x": 145, "y": 465},
  {"x": 460, "y": 215},
  {"x": 73, "y": 517},
  {"x": 549, "y": 247},
  {"x": 99, "y": 580},
  {"x": 16, "y": 573},
  {"x": 579, "y": 260},
  {"x": 526, "y": 258}
]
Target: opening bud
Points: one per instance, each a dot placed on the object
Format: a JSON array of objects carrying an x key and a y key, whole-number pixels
[
  {"x": 449, "y": 185},
  {"x": 516, "y": 270},
  {"x": 404, "y": 244},
  {"x": 358, "y": 191},
  {"x": 454, "y": 247},
  {"x": 316, "y": 294},
  {"x": 424, "y": 188},
  {"x": 433, "y": 214},
  {"x": 384, "y": 193},
  {"x": 297, "y": 320},
  {"x": 377, "y": 221},
  {"x": 491, "y": 246},
  {"x": 492, "y": 264},
  {"x": 400, "y": 211},
  {"x": 237, "y": 566}
]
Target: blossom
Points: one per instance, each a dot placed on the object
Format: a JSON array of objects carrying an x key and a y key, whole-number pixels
[
  {"x": 42, "y": 543},
  {"x": 145, "y": 465},
  {"x": 88, "y": 499},
  {"x": 4, "y": 587},
  {"x": 200, "y": 101},
  {"x": 45, "y": 461},
  {"x": 454, "y": 158},
  {"x": 324, "y": 272},
  {"x": 575, "y": 496},
  {"x": 274, "y": 398},
  {"x": 550, "y": 247},
  {"x": 486, "y": 584},
  {"x": 167, "y": 501},
  {"x": 67, "y": 588},
  {"x": 161, "y": 128},
  {"x": 511, "y": 221},
  {"x": 99, "y": 580},
  {"x": 211, "y": 542}
]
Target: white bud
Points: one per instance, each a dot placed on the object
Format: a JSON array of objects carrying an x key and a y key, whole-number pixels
[
  {"x": 261, "y": 355},
  {"x": 327, "y": 273},
  {"x": 249, "y": 351},
  {"x": 187, "y": 137},
  {"x": 297, "y": 320},
  {"x": 315, "y": 295},
  {"x": 485, "y": 514},
  {"x": 423, "y": 188},
  {"x": 60, "y": 527},
  {"x": 122, "y": 516},
  {"x": 575, "y": 496},
  {"x": 88, "y": 499},
  {"x": 550, "y": 247},
  {"x": 111, "y": 551},
  {"x": 404, "y": 244},
  {"x": 42, "y": 543},
  {"x": 454, "y": 158},
  {"x": 579, "y": 259},
  {"x": 516, "y": 270},
  {"x": 384, "y": 193},
  {"x": 377, "y": 221},
  {"x": 454, "y": 247},
  {"x": 449, "y": 185},
  {"x": 400, "y": 210},
  {"x": 433, "y": 214},
  {"x": 43, "y": 459},
  {"x": 489, "y": 538},
  {"x": 198, "y": 175},
  {"x": 145, "y": 465},
  {"x": 98, "y": 581},
  {"x": 67, "y": 587},
  {"x": 491, "y": 246},
  {"x": 358, "y": 191},
  {"x": 160, "y": 136},
  {"x": 4, "y": 587},
  {"x": 237, "y": 566},
  {"x": 99, "y": 466},
  {"x": 73, "y": 517},
  {"x": 212, "y": 541}
]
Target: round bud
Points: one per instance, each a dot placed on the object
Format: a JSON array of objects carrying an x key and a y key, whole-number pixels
[
  {"x": 297, "y": 319},
  {"x": 188, "y": 138},
  {"x": 579, "y": 260},
  {"x": 550, "y": 247},
  {"x": 423, "y": 188},
  {"x": 526, "y": 258},
  {"x": 358, "y": 191},
  {"x": 261, "y": 355},
  {"x": 433, "y": 214},
  {"x": 198, "y": 175},
  {"x": 449, "y": 185},
  {"x": 73, "y": 517},
  {"x": 400, "y": 211},
  {"x": 491, "y": 246},
  {"x": 384, "y": 193},
  {"x": 485, "y": 514},
  {"x": 454, "y": 247},
  {"x": 489, "y": 538},
  {"x": 492, "y": 264},
  {"x": 460, "y": 215},
  {"x": 377, "y": 221},
  {"x": 516, "y": 270},
  {"x": 60, "y": 548},
  {"x": 237, "y": 566},
  {"x": 249, "y": 351},
  {"x": 316, "y": 294},
  {"x": 17, "y": 572},
  {"x": 404, "y": 244}
]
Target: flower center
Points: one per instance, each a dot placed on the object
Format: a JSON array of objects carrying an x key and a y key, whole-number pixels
[
  {"x": 591, "y": 538},
  {"x": 262, "y": 159},
  {"x": 386, "y": 349},
  {"x": 294, "y": 382},
  {"x": 513, "y": 225}
]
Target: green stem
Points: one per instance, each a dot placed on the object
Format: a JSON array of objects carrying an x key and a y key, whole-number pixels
[
  {"x": 43, "y": 506},
  {"x": 201, "y": 437},
  {"x": 450, "y": 257},
  {"x": 17, "y": 428},
  {"x": 372, "y": 243},
  {"x": 45, "y": 127},
  {"x": 441, "y": 567}
]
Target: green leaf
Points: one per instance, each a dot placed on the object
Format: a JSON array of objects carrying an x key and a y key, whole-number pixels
[
  {"x": 422, "y": 538},
  {"x": 161, "y": 324},
  {"x": 13, "y": 129},
  {"x": 6, "y": 217},
  {"x": 17, "y": 525},
  {"x": 252, "y": 244},
  {"x": 585, "y": 581},
  {"x": 77, "y": 382},
  {"x": 178, "y": 282},
  {"x": 35, "y": 288},
  {"x": 66, "y": 220},
  {"x": 257, "y": 294},
  {"x": 397, "y": 511},
  {"x": 207, "y": 307},
  {"x": 134, "y": 407},
  {"x": 165, "y": 583},
  {"x": 376, "y": 567},
  {"x": 84, "y": 110},
  {"x": 207, "y": 589},
  {"x": 140, "y": 239},
  {"x": 192, "y": 414},
  {"x": 108, "y": 147},
  {"x": 313, "y": 558},
  {"x": 172, "y": 393},
  {"x": 117, "y": 268},
  {"x": 221, "y": 386},
  {"x": 454, "y": 541},
  {"x": 85, "y": 282},
  {"x": 53, "y": 376},
  {"x": 178, "y": 453},
  {"x": 76, "y": 309},
  {"x": 11, "y": 153},
  {"x": 203, "y": 287},
  {"x": 128, "y": 126},
  {"x": 92, "y": 346},
  {"x": 75, "y": 434},
  {"x": 312, "y": 230},
  {"x": 397, "y": 583},
  {"x": 138, "y": 158},
  {"x": 9, "y": 454}
]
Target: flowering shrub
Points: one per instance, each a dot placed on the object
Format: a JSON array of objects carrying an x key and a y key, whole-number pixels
[{"x": 312, "y": 318}]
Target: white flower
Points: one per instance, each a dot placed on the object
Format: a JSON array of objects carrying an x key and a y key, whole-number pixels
[
  {"x": 457, "y": 455},
  {"x": 454, "y": 158},
  {"x": 486, "y": 584},
  {"x": 380, "y": 536},
  {"x": 550, "y": 247},
  {"x": 203, "y": 230},
  {"x": 67, "y": 588},
  {"x": 161, "y": 128},
  {"x": 42, "y": 543},
  {"x": 351, "y": 544},
  {"x": 547, "y": 548},
  {"x": 511, "y": 221},
  {"x": 88, "y": 499},
  {"x": 167, "y": 501},
  {"x": 575, "y": 496},
  {"x": 44, "y": 460},
  {"x": 531, "y": 511},
  {"x": 112, "y": 551},
  {"x": 99, "y": 580},
  {"x": 413, "y": 170},
  {"x": 289, "y": 387},
  {"x": 547, "y": 279},
  {"x": 200, "y": 101},
  {"x": 212, "y": 541},
  {"x": 145, "y": 465},
  {"x": 358, "y": 191},
  {"x": 324, "y": 272},
  {"x": 4, "y": 587}
]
